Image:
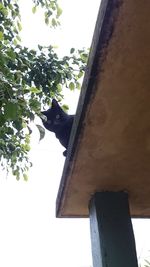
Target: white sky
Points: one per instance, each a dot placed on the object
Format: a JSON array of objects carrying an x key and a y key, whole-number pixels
[{"x": 30, "y": 235}]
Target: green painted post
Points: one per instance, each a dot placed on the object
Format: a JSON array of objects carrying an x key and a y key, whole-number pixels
[{"x": 112, "y": 237}]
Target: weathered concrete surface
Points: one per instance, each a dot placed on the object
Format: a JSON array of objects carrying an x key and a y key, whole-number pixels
[{"x": 110, "y": 143}]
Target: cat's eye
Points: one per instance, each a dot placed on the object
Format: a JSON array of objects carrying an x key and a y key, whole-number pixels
[{"x": 57, "y": 116}]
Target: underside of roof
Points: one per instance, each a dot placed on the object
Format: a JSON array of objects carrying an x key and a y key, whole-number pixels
[{"x": 109, "y": 147}]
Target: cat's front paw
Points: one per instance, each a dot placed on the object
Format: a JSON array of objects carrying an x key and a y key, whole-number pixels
[{"x": 65, "y": 153}]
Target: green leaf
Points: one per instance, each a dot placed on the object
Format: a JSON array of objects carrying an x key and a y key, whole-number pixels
[
  {"x": 25, "y": 177},
  {"x": 46, "y": 20},
  {"x": 78, "y": 85},
  {"x": 80, "y": 74},
  {"x": 54, "y": 22},
  {"x": 29, "y": 129},
  {"x": 1, "y": 6},
  {"x": 59, "y": 12},
  {"x": 1, "y": 36},
  {"x": 59, "y": 87},
  {"x": 34, "y": 105},
  {"x": 65, "y": 108},
  {"x": 18, "y": 38},
  {"x": 35, "y": 90},
  {"x": 11, "y": 147},
  {"x": 4, "y": 11},
  {"x": 40, "y": 47},
  {"x": 41, "y": 131},
  {"x": 15, "y": 42},
  {"x": 2, "y": 120},
  {"x": 11, "y": 53},
  {"x": 10, "y": 111},
  {"x": 17, "y": 174},
  {"x": 19, "y": 26},
  {"x": 10, "y": 131},
  {"x": 71, "y": 86},
  {"x": 31, "y": 116},
  {"x": 72, "y": 50},
  {"x": 18, "y": 124},
  {"x": 34, "y": 9}
]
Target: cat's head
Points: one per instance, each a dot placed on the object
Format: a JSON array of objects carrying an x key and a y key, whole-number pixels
[{"x": 54, "y": 117}]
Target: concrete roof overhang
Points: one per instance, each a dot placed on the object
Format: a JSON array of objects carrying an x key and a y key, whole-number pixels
[{"x": 109, "y": 147}]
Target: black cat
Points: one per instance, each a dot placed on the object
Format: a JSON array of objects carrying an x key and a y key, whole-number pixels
[{"x": 57, "y": 121}]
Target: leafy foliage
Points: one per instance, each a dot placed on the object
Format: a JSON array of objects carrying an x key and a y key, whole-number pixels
[
  {"x": 52, "y": 11},
  {"x": 29, "y": 79}
]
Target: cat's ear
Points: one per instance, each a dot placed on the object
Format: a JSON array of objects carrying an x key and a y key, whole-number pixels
[{"x": 54, "y": 103}]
